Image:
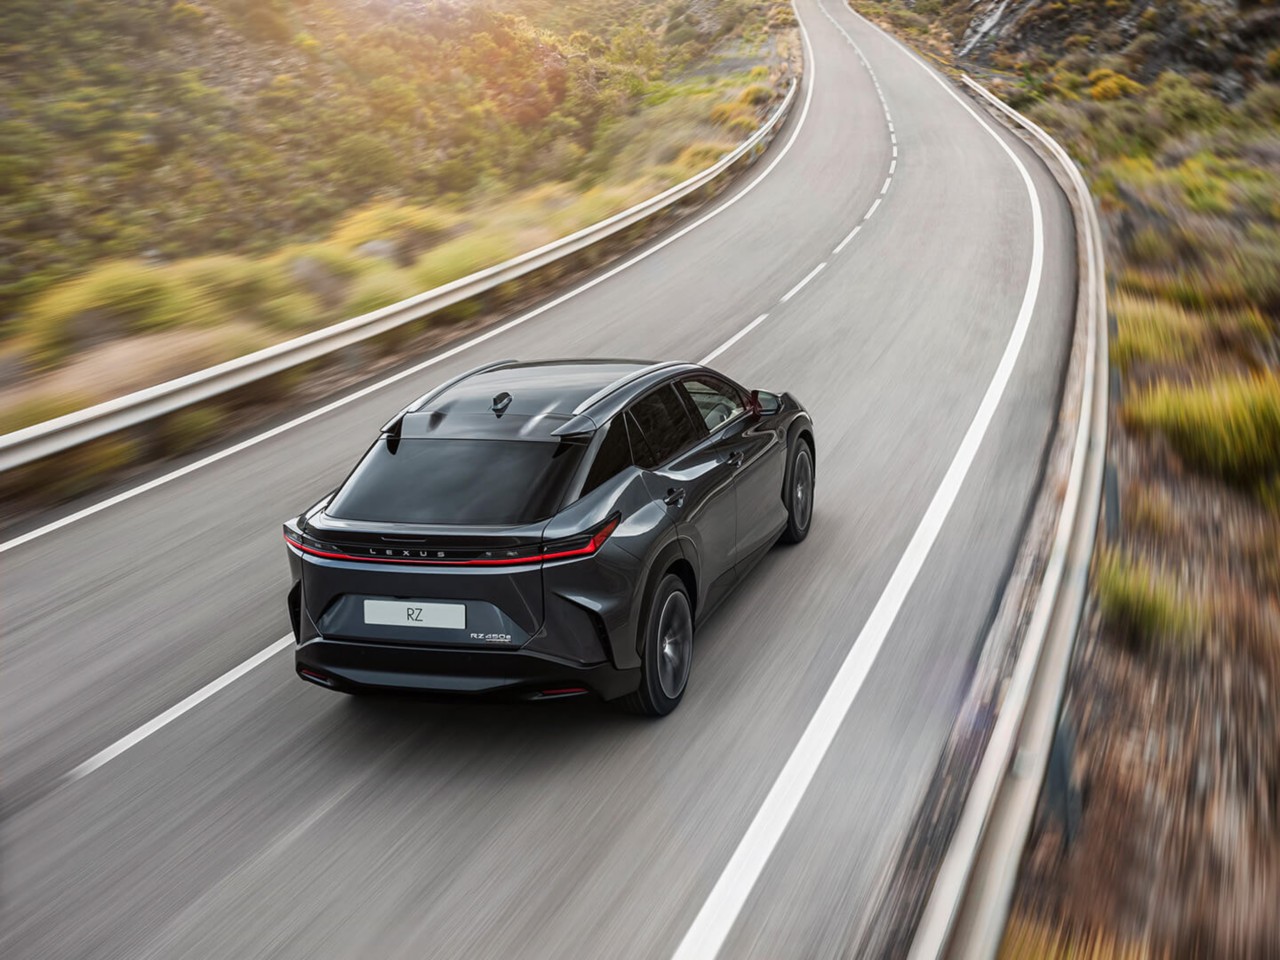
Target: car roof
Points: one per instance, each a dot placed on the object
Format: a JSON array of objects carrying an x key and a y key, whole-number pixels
[{"x": 532, "y": 400}]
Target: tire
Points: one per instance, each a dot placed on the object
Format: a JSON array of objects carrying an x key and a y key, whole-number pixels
[
  {"x": 798, "y": 495},
  {"x": 667, "y": 656}
]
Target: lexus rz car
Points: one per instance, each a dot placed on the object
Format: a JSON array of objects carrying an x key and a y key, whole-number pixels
[{"x": 547, "y": 530}]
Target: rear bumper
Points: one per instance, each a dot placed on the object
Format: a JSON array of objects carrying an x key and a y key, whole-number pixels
[{"x": 483, "y": 674}]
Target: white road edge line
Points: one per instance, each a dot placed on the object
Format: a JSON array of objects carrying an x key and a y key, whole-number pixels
[
  {"x": 720, "y": 911},
  {"x": 810, "y": 74},
  {"x": 178, "y": 709},
  {"x": 800, "y": 286}
]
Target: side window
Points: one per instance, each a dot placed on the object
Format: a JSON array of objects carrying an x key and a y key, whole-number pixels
[
  {"x": 613, "y": 456},
  {"x": 666, "y": 425},
  {"x": 715, "y": 401}
]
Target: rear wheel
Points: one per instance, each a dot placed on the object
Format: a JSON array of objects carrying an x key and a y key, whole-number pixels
[
  {"x": 799, "y": 493},
  {"x": 667, "y": 656}
]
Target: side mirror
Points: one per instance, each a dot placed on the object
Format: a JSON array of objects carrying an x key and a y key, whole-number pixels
[{"x": 764, "y": 403}]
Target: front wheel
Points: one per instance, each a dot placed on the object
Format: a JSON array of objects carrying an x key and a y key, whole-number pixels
[
  {"x": 798, "y": 496},
  {"x": 668, "y": 651}
]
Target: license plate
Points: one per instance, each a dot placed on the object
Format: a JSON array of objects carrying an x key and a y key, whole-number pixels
[{"x": 407, "y": 613}]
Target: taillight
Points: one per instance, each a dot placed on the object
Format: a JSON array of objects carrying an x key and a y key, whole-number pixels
[{"x": 579, "y": 545}]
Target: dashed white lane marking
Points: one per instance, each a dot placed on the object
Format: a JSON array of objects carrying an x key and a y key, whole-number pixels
[
  {"x": 800, "y": 286},
  {"x": 888, "y": 117},
  {"x": 719, "y": 912},
  {"x": 177, "y": 710},
  {"x": 734, "y": 339},
  {"x": 852, "y": 233}
]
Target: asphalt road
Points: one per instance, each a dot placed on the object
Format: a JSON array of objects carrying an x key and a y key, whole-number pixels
[{"x": 276, "y": 819}]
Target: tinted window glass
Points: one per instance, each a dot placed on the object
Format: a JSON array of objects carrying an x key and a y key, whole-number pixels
[
  {"x": 612, "y": 458},
  {"x": 715, "y": 401},
  {"x": 458, "y": 481},
  {"x": 666, "y": 424}
]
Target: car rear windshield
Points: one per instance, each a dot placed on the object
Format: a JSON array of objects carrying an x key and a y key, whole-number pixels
[{"x": 457, "y": 481}]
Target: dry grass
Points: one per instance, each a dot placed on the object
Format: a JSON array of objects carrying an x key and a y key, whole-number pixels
[
  {"x": 1229, "y": 427},
  {"x": 1143, "y": 604},
  {"x": 1027, "y": 939}
]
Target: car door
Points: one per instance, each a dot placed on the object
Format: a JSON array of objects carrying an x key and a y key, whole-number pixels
[
  {"x": 756, "y": 453},
  {"x": 691, "y": 475}
]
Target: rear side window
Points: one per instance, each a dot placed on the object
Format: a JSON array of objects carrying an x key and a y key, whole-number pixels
[
  {"x": 666, "y": 425},
  {"x": 458, "y": 481},
  {"x": 612, "y": 458}
]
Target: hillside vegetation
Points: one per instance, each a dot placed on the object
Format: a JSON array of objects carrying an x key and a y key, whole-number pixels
[
  {"x": 260, "y": 167},
  {"x": 1173, "y": 111}
]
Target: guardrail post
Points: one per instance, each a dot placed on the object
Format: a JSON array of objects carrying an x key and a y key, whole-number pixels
[{"x": 1062, "y": 793}]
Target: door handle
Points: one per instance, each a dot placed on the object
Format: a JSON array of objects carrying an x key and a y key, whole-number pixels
[
  {"x": 735, "y": 459},
  {"x": 674, "y": 497}
]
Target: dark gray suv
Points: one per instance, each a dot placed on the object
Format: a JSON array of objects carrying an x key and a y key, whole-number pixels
[{"x": 546, "y": 530}]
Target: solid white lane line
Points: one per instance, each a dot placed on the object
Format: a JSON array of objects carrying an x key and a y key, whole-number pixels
[
  {"x": 177, "y": 710},
  {"x": 720, "y": 911},
  {"x": 800, "y": 286},
  {"x": 872, "y": 210},
  {"x": 502, "y": 328},
  {"x": 734, "y": 339},
  {"x": 843, "y": 243}
]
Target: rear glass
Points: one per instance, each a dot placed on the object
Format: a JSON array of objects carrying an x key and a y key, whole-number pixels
[{"x": 457, "y": 481}]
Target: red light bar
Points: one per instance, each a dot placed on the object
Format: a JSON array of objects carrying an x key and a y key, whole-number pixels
[{"x": 592, "y": 545}]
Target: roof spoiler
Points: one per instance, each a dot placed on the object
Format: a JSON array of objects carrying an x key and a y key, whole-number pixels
[
  {"x": 392, "y": 427},
  {"x": 579, "y": 426}
]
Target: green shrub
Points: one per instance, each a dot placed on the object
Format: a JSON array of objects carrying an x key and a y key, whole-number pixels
[
  {"x": 83, "y": 468},
  {"x": 725, "y": 113},
  {"x": 1143, "y": 604},
  {"x": 412, "y": 227},
  {"x": 188, "y": 429},
  {"x": 1149, "y": 330},
  {"x": 116, "y": 298},
  {"x": 699, "y": 156},
  {"x": 379, "y": 289},
  {"x": 1183, "y": 106},
  {"x": 38, "y": 408},
  {"x": 1229, "y": 427},
  {"x": 1262, "y": 105},
  {"x": 1109, "y": 85},
  {"x": 290, "y": 311},
  {"x": 238, "y": 283},
  {"x": 1272, "y": 63},
  {"x": 459, "y": 257}
]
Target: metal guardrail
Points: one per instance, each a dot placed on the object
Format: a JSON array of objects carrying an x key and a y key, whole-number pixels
[
  {"x": 41, "y": 440},
  {"x": 969, "y": 905}
]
